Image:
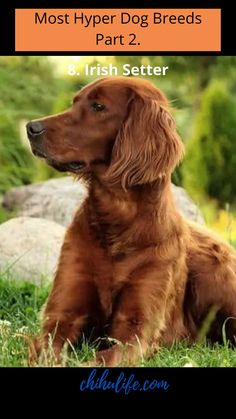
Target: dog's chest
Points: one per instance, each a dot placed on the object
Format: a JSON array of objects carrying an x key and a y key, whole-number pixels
[
  {"x": 110, "y": 229},
  {"x": 109, "y": 281}
]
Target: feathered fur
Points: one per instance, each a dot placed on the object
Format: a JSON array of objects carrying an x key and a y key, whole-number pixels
[{"x": 131, "y": 267}]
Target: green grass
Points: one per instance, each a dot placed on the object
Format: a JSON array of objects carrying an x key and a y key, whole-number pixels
[{"x": 20, "y": 305}]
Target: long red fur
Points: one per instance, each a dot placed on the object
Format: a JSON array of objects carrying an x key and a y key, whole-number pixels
[{"x": 131, "y": 267}]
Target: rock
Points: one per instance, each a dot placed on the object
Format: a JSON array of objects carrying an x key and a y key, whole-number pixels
[
  {"x": 29, "y": 249},
  {"x": 58, "y": 199},
  {"x": 186, "y": 205},
  {"x": 30, "y": 244}
]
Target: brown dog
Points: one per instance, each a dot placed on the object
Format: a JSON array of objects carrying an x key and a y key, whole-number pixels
[{"x": 130, "y": 267}]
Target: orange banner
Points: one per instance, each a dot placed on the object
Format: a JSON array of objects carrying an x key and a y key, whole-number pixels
[{"x": 117, "y": 30}]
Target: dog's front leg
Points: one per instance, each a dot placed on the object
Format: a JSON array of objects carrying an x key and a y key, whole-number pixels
[
  {"x": 74, "y": 297},
  {"x": 139, "y": 316}
]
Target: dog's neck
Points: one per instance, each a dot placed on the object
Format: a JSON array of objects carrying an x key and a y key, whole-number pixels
[{"x": 139, "y": 213}]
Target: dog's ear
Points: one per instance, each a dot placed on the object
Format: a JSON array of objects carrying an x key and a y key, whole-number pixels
[{"x": 147, "y": 146}]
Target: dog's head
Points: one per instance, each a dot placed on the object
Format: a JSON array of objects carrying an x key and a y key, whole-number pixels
[{"x": 119, "y": 128}]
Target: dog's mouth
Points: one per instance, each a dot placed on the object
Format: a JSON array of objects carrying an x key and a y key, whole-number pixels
[
  {"x": 73, "y": 166},
  {"x": 38, "y": 153}
]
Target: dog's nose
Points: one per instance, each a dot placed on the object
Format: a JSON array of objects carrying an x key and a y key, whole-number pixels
[{"x": 34, "y": 129}]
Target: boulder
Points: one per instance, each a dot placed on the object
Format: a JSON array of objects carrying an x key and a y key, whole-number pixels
[
  {"x": 58, "y": 199},
  {"x": 29, "y": 249},
  {"x": 186, "y": 205},
  {"x": 30, "y": 244}
]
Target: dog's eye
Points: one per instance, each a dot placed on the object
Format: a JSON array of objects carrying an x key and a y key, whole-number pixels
[{"x": 97, "y": 107}]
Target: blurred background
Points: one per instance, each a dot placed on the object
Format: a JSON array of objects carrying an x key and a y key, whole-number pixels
[{"x": 202, "y": 92}]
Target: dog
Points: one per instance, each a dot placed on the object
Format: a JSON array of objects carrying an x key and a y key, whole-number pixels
[{"x": 131, "y": 267}]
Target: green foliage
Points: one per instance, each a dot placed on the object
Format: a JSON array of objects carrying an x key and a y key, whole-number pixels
[
  {"x": 28, "y": 89},
  {"x": 64, "y": 98},
  {"x": 28, "y": 86},
  {"x": 209, "y": 165},
  {"x": 4, "y": 215},
  {"x": 21, "y": 301},
  {"x": 17, "y": 165}
]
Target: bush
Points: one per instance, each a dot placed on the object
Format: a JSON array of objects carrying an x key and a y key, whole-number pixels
[
  {"x": 28, "y": 89},
  {"x": 209, "y": 165},
  {"x": 17, "y": 165}
]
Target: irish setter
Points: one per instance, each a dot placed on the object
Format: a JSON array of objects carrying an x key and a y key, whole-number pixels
[{"x": 131, "y": 267}]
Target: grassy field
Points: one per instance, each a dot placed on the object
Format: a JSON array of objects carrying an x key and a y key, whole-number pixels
[{"x": 20, "y": 304}]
